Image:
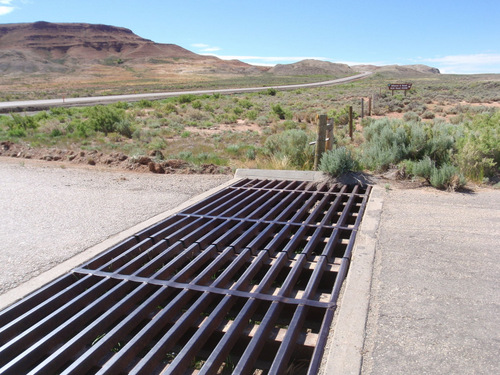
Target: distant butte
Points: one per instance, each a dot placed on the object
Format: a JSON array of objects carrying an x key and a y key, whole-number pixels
[{"x": 44, "y": 47}]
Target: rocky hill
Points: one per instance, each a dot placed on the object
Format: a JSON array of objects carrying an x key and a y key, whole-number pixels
[
  {"x": 62, "y": 47},
  {"x": 312, "y": 67},
  {"x": 402, "y": 70}
]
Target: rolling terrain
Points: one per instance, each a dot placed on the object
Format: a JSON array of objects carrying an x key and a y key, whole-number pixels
[{"x": 47, "y": 60}]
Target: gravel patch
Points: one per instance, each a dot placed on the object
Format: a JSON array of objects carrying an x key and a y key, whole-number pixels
[{"x": 51, "y": 213}]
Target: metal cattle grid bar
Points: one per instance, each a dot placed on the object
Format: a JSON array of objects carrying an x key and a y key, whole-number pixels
[{"x": 244, "y": 282}]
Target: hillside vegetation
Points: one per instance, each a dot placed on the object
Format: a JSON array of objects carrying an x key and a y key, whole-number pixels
[{"x": 446, "y": 130}]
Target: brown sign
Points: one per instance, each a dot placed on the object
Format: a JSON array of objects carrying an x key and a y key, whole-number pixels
[{"x": 399, "y": 86}]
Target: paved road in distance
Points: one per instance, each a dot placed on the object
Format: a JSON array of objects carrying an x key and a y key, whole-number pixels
[{"x": 75, "y": 102}]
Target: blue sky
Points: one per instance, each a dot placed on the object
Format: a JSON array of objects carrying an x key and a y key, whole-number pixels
[{"x": 459, "y": 36}]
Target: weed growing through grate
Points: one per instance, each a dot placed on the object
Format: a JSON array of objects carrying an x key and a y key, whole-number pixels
[
  {"x": 170, "y": 356},
  {"x": 197, "y": 363},
  {"x": 229, "y": 365},
  {"x": 119, "y": 345},
  {"x": 96, "y": 340}
]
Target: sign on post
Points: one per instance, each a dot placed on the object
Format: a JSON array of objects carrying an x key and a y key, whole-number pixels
[{"x": 399, "y": 86}]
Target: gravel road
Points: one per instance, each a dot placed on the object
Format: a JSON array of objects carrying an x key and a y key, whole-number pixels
[{"x": 50, "y": 213}]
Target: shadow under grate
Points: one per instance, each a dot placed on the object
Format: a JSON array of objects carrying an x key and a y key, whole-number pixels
[{"x": 245, "y": 281}]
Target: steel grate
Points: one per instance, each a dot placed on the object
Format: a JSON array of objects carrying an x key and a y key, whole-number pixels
[{"x": 244, "y": 282}]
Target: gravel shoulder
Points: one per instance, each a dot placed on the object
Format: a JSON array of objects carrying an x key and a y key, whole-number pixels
[{"x": 49, "y": 212}]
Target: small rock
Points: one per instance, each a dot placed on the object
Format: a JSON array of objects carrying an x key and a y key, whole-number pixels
[{"x": 144, "y": 160}]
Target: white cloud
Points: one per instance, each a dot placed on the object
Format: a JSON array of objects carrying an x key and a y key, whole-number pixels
[
  {"x": 467, "y": 64},
  {"x": 211, "y": 49},
  {"x": 202, "y": 47},
  {"x": 5, "y": 7},
  {"x": 5, "y": 10}
]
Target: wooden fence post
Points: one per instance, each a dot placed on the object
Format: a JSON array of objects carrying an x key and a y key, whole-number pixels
[
  {"x": 329, "y": 134},
  {"x": 350, "y": 121},
  {"x": 362, "y": 108},
  {"x": 320, "y": 142},
  {"x": 370, "y": 106}
]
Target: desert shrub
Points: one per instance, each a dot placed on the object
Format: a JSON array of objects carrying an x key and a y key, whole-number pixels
[
  {"x": 428, "y": 115},
  {"x": 421, "y": 168},
  {"x": 121, "y": 105},
  {"x": 187, "y": 98},
  {"x": 292, "y": 145},
  {"x": 251, "y": 154},
  {"x": 385, "y": 144},
  {"x": 169, "y": 108},
  {"x": 337, "y": 162},
  {"x": 478, "y": 153},
  {"x": 21, "y": 122},
  {"x": 233, "y": 149},
  {"x": 278, "y": 111},
  {"x": 245, "y": 103},
  {"x": 251, "y": 115},
  {"x": 441, "y": 142},
  {"x": 125, "y": 128},
  {"x": 271, "y": 92},
  {"x": 195, "y": 115},
  {"x": 238, "y": 111},
  {"x": 16, "y": 133},
  {"x": 390, "y": 142},
  {"x": 105, "y": 118},
  {"x": 447, "y": 177},
  {"x": 411, "y": 116},
  {"x": 196, "y": 104},
  {"x": 144, "y": 103},
  {"x": 341, "y": 117}
]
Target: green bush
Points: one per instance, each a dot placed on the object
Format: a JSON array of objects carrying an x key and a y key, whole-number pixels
[
  {"x": 105, "y": 118},
  {"x": 447, "y": 177},
  {"x": 337, "y": 162},
  {"x": 187, "y": 98},
  {"x": 16, "y": 132},
  {"x": 21, "y": 122},
  {"x": 293, "y": 145},
  {"x": 251, "y": 115},
  {"x": 277, "y": 110},
  {"x": 421, "y": 168},
  {"x": 196, "y": 104},
  {"x": 125, "y": 128},
  {"x": 388, "y": 142},
  {"x": 271, "y": 92},
  {"x": 478, "y": 153},
  {"x": 341, "y": 117},
  {"x": 144, "y": 103},
  {"x": 428, "y": 115},
  {"x": 411, "y": 116}
]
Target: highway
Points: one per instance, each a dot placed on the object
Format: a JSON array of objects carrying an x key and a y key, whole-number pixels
[{"x": 76, "y": 102}]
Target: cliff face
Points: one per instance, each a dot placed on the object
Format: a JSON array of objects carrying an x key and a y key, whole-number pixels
[{"x": 84, "y": 42}]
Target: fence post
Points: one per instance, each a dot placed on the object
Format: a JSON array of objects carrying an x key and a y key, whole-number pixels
[
  {"x": 350, "y": 121},
  {"x": 320, "y": 142},
  {"x": 329, "y": 134},
  {"x": 369, "y": 106},
  {"x": 362, "y": 108}
]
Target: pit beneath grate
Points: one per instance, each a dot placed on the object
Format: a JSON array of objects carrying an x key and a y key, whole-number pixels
[{"x": 245, "y": 282}]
